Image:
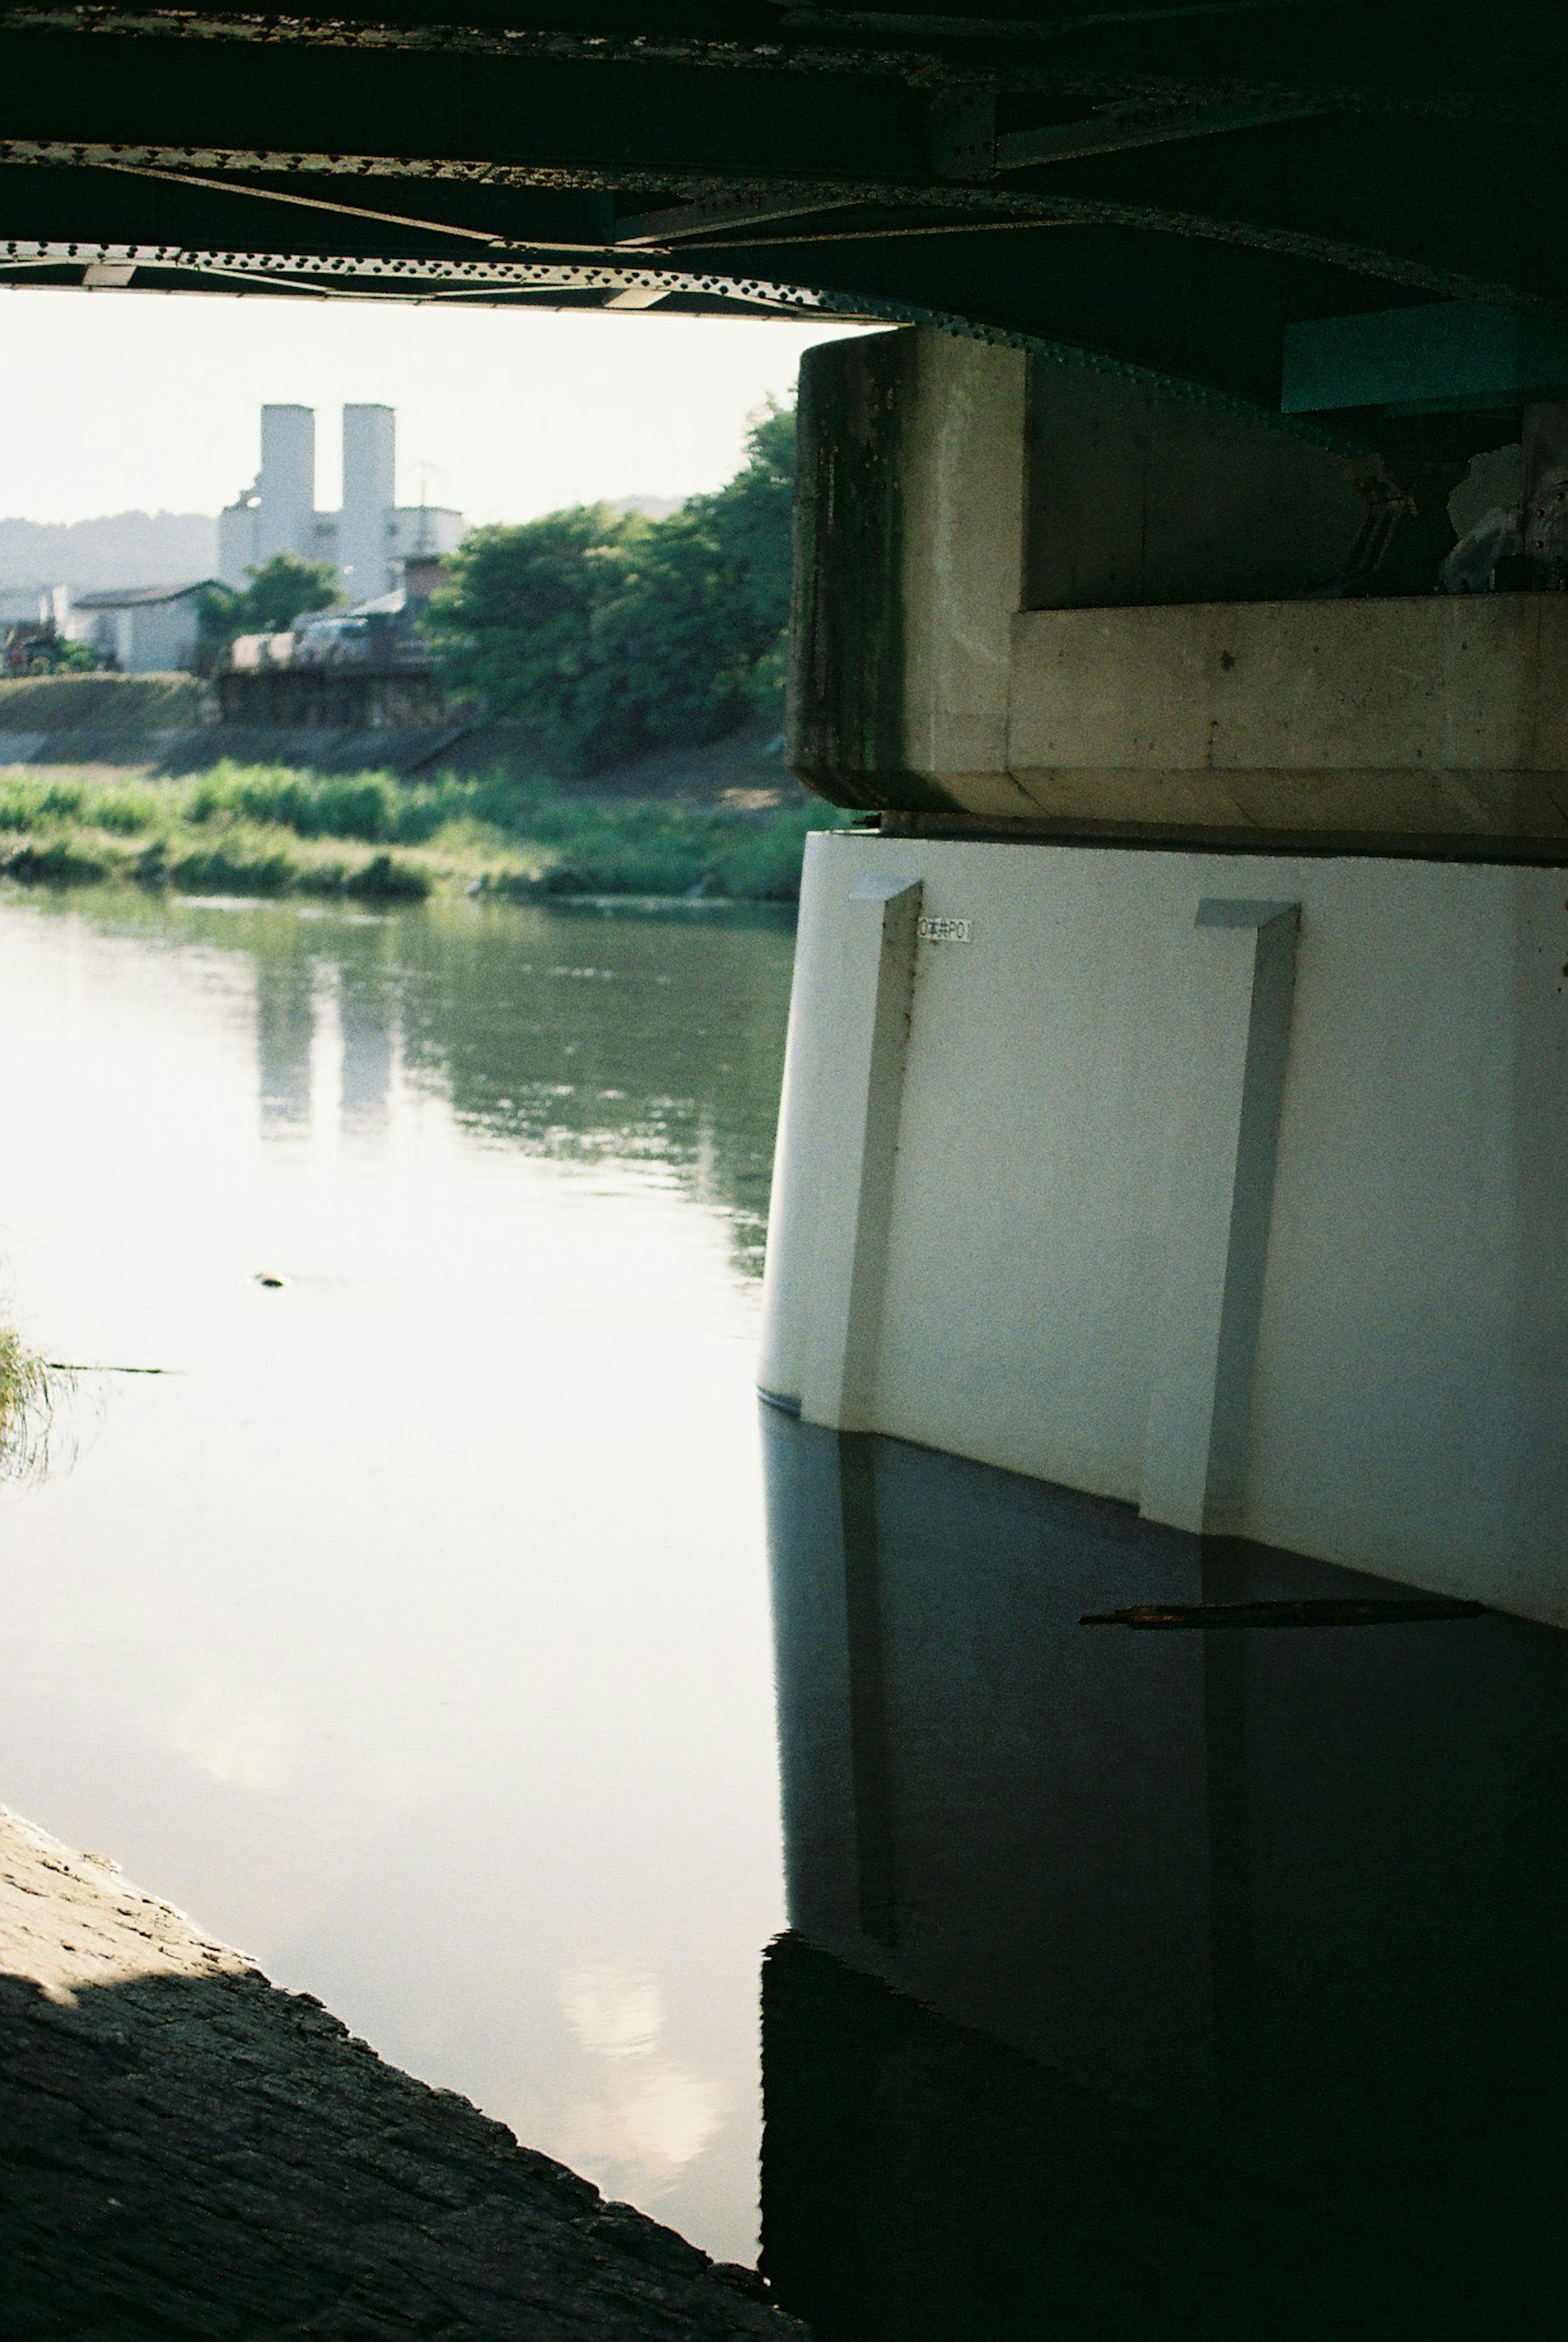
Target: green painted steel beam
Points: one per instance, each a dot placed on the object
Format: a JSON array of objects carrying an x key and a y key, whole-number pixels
[
  {"x": 1436, "y": 357},
  {"x": 1170, "y": 188}
]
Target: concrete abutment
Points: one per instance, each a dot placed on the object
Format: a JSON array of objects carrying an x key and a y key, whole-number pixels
[{"x": 1177, "y": 1077}]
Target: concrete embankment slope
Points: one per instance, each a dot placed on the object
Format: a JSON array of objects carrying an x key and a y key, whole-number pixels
[
  {"x": 96, "y": 719},
  {"x": 185, "y": 2149},
  {"x": 157, "y": 723}
]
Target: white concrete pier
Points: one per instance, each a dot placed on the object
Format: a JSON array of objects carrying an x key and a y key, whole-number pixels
[
  {"x": 1177, "y": 1096},
  {"x": 1285, "y": 1260}
]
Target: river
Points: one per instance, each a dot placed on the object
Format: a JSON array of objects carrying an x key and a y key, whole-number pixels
[{"x": 410, "y": 1626}]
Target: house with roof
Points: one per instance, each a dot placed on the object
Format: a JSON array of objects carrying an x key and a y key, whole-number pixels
[{"x": 141, "y": 629}]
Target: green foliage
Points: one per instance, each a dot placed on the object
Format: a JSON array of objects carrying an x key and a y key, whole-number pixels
[
  {"x": 29, "y": 1392},
  {"x": 613, "y": 635},
  {"x": 77, "y": 658},
  {"x": 515, "y": 618},
  {"x": 281, "y": 590},
  {"x": 273, "y": 830},
  {"x": 59, "y": 862},
  {"x": 633, "y": 847},
  {"x": 284, "y": 589}
]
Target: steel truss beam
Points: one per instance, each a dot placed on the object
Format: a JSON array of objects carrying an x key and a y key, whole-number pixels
[
  {"x": 793, "y": 200},
  {"x": 1168, "y": 183},
  {"x": 421, "y": 279}
]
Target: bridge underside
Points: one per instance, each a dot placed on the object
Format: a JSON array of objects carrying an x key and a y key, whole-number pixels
[
  {"x": 1179, "y": 1057},
  {"x": 1167, "y": 186}
]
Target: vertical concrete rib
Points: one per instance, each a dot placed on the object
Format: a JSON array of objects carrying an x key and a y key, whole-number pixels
[
  {"x": 1213, "y": 1234},
  {"x": 858, "y": 1140}
]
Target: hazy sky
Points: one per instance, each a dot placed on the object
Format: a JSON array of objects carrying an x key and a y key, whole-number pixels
[{"x": 119, "y": 401}]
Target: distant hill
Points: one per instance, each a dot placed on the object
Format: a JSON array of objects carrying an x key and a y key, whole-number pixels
[
  {"x": 130, "y": 548},
  {"x": 140, "y": 548}
]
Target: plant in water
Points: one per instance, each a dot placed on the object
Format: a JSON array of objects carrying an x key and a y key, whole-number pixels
[{"x": 30, "y": 1394}]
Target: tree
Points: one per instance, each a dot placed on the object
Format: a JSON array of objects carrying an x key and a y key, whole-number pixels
[
  {"x": 285, "y": 588},
  {"x": 693, "y": 639},
  {"x": 612, "y": 633},
  {"x": 281, "y": 590},
  {"x": 515, "y": 617}
]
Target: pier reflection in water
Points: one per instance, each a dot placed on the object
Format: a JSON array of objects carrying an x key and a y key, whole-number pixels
[
  {"x": 1149, "y": 1984},
  {"x": 1137, "y": 1984}
]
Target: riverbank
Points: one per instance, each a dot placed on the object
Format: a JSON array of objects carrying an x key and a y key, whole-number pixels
[
  {"x": 273, "y": 830},
  {"x": 188, "y": 2149},
  {"x": 165, "y": 726}
]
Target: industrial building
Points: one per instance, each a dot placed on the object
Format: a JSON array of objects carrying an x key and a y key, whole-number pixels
[{"x": 368, "y": 540}]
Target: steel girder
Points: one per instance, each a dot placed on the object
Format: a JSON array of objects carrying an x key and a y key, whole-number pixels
[{"x": 1163, "y": 187}]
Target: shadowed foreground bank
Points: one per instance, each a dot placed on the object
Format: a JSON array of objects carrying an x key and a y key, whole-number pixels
[{"x": 185, "y": 2151}]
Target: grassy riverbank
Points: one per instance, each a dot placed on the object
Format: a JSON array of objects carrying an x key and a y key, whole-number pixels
[{"x": 276, "y": 830}]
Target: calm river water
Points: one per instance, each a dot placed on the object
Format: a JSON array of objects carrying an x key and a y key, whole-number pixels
[{"x": 412, "y": 1630}]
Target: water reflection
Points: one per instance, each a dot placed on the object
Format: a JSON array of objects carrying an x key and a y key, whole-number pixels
[
  {"x": 589, "y": 1035},
  {"x": 414, "y": 1631},
  {"x": 369, "y": 1034},
  {"x": 651, "y": 2116},
  {"x": 285, "y": 1034},
  {"x": 1145, "y": 1984},
  {"x": 413, "y": 1636}
]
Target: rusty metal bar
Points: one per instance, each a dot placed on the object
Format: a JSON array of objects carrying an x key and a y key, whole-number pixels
[{"x": 1424, "y": 1609}]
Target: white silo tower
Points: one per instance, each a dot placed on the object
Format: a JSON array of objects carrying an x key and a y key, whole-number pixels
[
  {"x": 369, "y": 479},
  {"x": 285, "y": 512}
]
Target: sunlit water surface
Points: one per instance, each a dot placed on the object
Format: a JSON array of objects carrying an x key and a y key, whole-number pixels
[
  {"x": 410, "y": 1629},
  {"x": 411, "y": 1632}
]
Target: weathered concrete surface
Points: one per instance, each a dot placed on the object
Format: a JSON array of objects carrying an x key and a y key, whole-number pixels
[
  {"x": 186, "y": 2151},
  {"x": 938, "y": 676}
]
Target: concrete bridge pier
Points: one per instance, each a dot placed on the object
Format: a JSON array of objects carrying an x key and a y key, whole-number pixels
[{"x": 1177, "y": 1089}]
